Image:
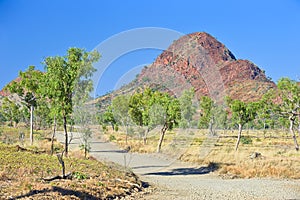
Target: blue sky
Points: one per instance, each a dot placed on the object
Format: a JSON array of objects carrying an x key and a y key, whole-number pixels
[{"x": 265, "y": 32}]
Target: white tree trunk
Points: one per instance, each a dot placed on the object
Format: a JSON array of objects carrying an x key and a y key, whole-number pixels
[
  {"x": 292, "y": 121},
  {"x": 239, "y": 137},
  {"x": 31, "y": 124}
]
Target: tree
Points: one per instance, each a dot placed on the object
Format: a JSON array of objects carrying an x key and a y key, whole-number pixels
[
  {"x": 139, "y": 106},
  {"x": 108, "y": 117},
  {"x": 28, "y": 90},
  {"x": 187, "y": 108},
  {"x": 242, "y": 113},
  {"x": 10, "y": 111},
  {"x": 63, "y": 75},
  {"x": 120, "y": 110},
  {"x": 207, "y": 118},
  {"x": 83, "y": 120},
  {"x": 289, "y": 93},
  {"x": 167, "y": 113},
  {"x": 266, "y": 110}
]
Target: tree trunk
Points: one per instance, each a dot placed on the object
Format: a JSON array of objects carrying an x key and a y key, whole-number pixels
[
  {"x": 292, "y": 121},
  {"x": 299, "y": 125},
  {"x": 162, "y": 135},
  {"x": 126, "y": 135},
  {"x": 53, "y": 135},
  {"x": 145, "y": 136},
  {"x": 66, "y": 135},
  {"x": 61, "y": 161},
  {"x": 239, "y": 136},
  {"x": 31, "y": 124},
  {"x": 210, "y": 127}
]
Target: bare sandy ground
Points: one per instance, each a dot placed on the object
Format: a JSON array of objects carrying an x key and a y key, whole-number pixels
[{"x": 176, "y": 180}]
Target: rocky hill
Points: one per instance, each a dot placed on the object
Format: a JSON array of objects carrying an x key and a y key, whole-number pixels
[{"x": 200, "y": 61}]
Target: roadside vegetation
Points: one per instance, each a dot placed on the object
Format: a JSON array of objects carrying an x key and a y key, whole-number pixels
[
  {"x": 33, "y": 165},
  {"x": 244, "y": 139},
  {"x": 28, "y": 173},
  {"x": 257, "y": 156}
]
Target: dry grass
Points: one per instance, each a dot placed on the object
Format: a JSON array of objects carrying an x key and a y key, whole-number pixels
[
  {"x": 22, "y": 173},
  {"x": 278, "y": 157}
]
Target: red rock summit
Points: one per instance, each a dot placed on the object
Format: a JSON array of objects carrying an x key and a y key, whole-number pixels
[{"x": 200, "y": 61}]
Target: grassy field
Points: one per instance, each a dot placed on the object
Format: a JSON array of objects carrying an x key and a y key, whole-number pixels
[
  {"x": 259, "y": 155},
  {"x": 23, "y": 173}
]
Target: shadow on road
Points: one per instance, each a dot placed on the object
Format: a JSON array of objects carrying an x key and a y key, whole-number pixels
[
  {"x": 110, "y": 151},
  {"x": 149, "y": 166},
  {"x": 186, "y": 171}
]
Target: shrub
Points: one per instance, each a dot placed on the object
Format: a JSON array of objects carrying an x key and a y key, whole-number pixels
[
  {"x": 246, "y": 140},
  {"x": 112, "y": 138},
  {"x": 80, "y": 176}
]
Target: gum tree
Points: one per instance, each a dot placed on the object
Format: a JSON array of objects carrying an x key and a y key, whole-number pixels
[
  {"x": 63, "y": 74},
  {"x": 27, "y": 88},
  {"x": 167, "y": 111},
  {"x": 120, "y": 110},
  {"x": 139, "y": 105},
  {"x": 242, "y": 113},
  {"x": 187, "y": 108},
  {"x": 289, "y": 93}
]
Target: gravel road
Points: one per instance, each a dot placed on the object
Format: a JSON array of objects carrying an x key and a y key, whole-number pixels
[{"x": 176, "y": 180}]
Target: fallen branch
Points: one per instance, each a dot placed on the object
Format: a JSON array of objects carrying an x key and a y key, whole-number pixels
[
  {"x": 68, "y": 176},
  {"x": 22, "y": 149}
]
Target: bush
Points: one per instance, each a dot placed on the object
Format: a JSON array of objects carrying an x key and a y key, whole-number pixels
[
  {"x": 112, "y": 138},
  {"x": 246, "y": 140},
  {"x": 80, "y": 176}
]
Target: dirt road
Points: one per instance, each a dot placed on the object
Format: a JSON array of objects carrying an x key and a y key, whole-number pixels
[{"x": 177, "y": 180}]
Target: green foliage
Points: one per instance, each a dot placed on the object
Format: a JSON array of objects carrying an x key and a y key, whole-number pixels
[
  {"x": 206, "y": 108},
  {"x": 242, "y": 112},
  {"x": 246, "y": 140},
  {"x": 187, "y": 108},
  {"x": 120, "y": 109},
  {"x": 68, "y": 78},
  {"x": 108, "y": 117},
  {"x": 68, "y": 82},
  {"x": 10, "y": 111},
  {"x": 112, "y": 138},
  {"x": 80, "y": 176}
]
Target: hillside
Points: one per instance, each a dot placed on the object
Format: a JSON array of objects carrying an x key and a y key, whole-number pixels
[{"x": 200, "y": 61}]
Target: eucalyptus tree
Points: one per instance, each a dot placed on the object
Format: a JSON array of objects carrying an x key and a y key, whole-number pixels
[
  {"x": 242, "y": 113},
  {"x": 139, "y": 106},
  {"x": 289, "y": 93},
  {"x": 207, "y": 117},
  {"x": 120, "y": 110},
  {"x": 187, "y": 108},
  {"x": 27, "y": 88},
  {"x": 166, "y": 113},
  {"x": 10, "y": 111},
  {"x": 63, "y": 74},
  {"x": 108, "y": 117}
]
